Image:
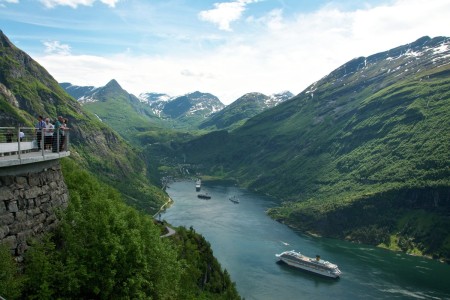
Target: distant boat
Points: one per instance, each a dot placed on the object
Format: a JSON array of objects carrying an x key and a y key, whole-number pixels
[
  {"x": 198, "y": 184},
  {"x": 234, "y": 199},
  {"x": 204, "y": 196},
  {"x": 317, "y": 265}
]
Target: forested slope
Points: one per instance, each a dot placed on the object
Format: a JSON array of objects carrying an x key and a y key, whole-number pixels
[
  {"x": 361, "y": 154},
  {"x": 104, "y": 249},
  {"x": 28, "y": 90}
]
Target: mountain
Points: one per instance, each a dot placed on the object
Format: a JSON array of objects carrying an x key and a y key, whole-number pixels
[
  {"x": 161, "y": 110},
  {"x": 242, "y": 109},
  {"x": 156, "y": 101},
  {"x": 101, "y": 247},
  {"x": 78, "y": 92},
  {"x": 113, "y": 105},
  {"x": 278, "y": 98},
  {"x": 28, "y": 90},
  {"x": 193, "y": 104},
  {"x": 362, "y": 154},
  {"x": 191, "y": 109}
]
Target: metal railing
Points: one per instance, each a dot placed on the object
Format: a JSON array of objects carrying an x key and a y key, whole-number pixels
[{"x": 18, "y": 141}]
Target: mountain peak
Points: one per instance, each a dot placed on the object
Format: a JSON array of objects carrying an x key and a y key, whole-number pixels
[
  {"x": 113, "y": 84},
  {"x": 4, "y": 41}
]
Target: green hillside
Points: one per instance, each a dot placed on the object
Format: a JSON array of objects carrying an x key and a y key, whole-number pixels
[
  {"x": 122, "y": 111},
  {"x": 104, "y": 249},
  {"x": 28, "y": 90},
  {"x": 235, "y": 114},
  {"x": 363, "y": 154},
  {"x": 101, "y": 247}
]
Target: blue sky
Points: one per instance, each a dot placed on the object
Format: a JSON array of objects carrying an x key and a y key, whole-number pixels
[{"x": 227, "y": 48}]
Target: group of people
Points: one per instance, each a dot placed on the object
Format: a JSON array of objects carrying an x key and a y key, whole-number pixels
[{"x": 52, "y": 133}]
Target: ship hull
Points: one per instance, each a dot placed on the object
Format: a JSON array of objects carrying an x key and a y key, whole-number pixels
[
  {"x": 302, "y": 262},
  {"x": 309, "y": 269}
]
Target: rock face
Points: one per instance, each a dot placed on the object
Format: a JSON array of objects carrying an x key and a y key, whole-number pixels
[{"x": 28, "y": 206}]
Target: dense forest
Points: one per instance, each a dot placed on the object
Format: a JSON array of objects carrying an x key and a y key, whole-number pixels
[{"x": 105, "y": 249}]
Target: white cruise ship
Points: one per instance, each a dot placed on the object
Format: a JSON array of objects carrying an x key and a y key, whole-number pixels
[{"x": 315, "y": 265}]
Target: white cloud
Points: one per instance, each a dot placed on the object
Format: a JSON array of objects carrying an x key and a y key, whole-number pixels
[
  {"x": 56, "y": 48},
  {"x": 110, "y": 3},
  {"x": 2, "y": 2},
  {"x": 224, "y": 13},
  {"x": 75, "y": 3},
  {"x": 289, "y": 54}
]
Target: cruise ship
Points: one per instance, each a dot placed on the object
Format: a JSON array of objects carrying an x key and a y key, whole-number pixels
[{"x": 315, "y": 265}]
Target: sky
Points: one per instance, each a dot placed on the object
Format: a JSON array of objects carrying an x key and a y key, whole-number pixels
[{"x": 225, "y": 47}]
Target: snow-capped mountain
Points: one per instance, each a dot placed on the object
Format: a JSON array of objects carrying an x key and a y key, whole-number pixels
[
  {"x": 81, "y": 93},
  {"x": 156, "y": 101},
  {"x": 194, "y": 104}
]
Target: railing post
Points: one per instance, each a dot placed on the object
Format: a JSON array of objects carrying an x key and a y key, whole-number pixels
[
  {"x": 18, "y": 142},
  {"x": 58, "y": 140},
  {"x": 67, "y": 140},
  {"x": 42, "y": 140},
  {"x": 44, "y": 133}
]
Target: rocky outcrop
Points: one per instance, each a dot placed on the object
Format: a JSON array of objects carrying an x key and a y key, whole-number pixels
[{"x": 28, "y": 206}]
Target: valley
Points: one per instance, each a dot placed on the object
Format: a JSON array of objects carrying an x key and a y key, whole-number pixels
[
  {"x": 361, "y": 155},
  {"x": 366, "y": 140}
]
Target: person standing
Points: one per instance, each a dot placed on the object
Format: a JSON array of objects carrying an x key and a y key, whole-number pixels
[
  {"x": 9, "y": 136},
  {"x": 39, "y": 126},
  {"x": 48, "y": 136},
  {"x": 64, "y": 127},
  {"x": 58, "y": 134}
]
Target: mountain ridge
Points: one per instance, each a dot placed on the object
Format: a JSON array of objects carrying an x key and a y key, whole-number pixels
[
  {"x": 28, "y": 90},
  {"x": 360, "y": 135},
  {"x": 245, "y": 107},
  {"x": 191, "y": 110}
]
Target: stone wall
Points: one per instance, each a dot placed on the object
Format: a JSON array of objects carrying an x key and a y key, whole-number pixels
[{"x": 29, "y": 200}]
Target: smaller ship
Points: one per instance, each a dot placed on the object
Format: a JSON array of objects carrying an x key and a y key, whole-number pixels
[
  {"x": 317, "y": 265},
  {"x": 234, "y": 199},
  {"x": 204, "y": 196},
  {"x": 198, "y": 185}
]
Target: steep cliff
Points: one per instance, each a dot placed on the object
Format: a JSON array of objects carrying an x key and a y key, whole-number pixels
[{"x": 28, "y": 90}]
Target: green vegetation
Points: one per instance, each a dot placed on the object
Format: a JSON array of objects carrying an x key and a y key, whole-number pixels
[
  {"x": 237, "y": 113},
  {"x": 10, "y": 277},
  {"x": 202, "y": 277},
  {"x": 123, "y": 112},
  {"x": 350, "y": 156},
  {"x": 105, "y": 249},
  {"x": 102, "y": 248},
  {"x": 28, "y": 90}
]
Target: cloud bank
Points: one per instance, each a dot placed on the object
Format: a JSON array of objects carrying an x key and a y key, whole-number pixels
[{"x": 283, "y": 54}]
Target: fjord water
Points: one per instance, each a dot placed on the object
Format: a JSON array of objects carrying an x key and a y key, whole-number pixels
[{"x": 245, "y": 240}]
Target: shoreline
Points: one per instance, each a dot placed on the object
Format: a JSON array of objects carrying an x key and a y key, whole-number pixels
[{"x": 164, "y": 207}]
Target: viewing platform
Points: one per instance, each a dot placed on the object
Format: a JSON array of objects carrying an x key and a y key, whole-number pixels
[
  {"x": 20, "y": 146},
  {"x": 32, "y": 186}
]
